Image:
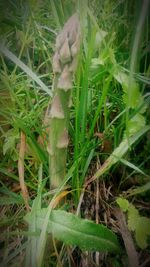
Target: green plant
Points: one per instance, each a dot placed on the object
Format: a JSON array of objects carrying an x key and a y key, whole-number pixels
[
  {"x": 94, "y": 237},
  {"x": 107, "y": 125},
  {"x": 68, "y": 228},
  {"x": 64, "y": 65},
  {"x": 140, "y": 225}
]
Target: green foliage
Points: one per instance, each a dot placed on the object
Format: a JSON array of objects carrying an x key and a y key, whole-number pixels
[
  {"x": 140, "y": 189},
  {"x": 11, "y": 139},
  {"x": 73, "y": 230},
  {"x": 140, "y": 225},
  {"x": 136, "y": 123},
  {"x": 133, "y": 216},
  {"x": 136, "y": 98},
  {"x": 9, "y": 197},
  {"x": 109, "y": 97},
  {"x": 120, "y": 151},
  {"x": 123, "y": 203},
  {"x": 33, "y": 241},
  {"x": 25, "y": 68},
  {"x": 142, "y": 231}
]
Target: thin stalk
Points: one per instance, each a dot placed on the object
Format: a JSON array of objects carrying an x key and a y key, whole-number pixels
[
  {"x": 134, "y": 53},
  {"x": 64, "y": 65}
]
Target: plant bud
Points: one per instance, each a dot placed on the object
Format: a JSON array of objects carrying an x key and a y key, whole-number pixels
[
  {"x": 56, "y": 109},
  {"x": 64, "y": 140},
  {"x": 65, "y": 55},
  {"x": 65, "y": 80},
  {"x": 56, "y": 64}
]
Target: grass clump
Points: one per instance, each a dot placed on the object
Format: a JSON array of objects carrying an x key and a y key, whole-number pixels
[{"x": 106, "y": 129}]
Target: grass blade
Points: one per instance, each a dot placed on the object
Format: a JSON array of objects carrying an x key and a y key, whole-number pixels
[
  {"x": 131, "y": 165},
  {"x": 7, "y": 53},
  {"x": 118, "y": 153}
]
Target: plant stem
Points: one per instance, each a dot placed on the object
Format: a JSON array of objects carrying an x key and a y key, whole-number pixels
[{"x": 64, "y": 65}]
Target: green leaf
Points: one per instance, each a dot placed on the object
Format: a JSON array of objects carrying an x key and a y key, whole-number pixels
[
  {"x": 10, "y": 200},
  {"x": 139, "y": 224},
  {"x": 123, "y": 203},
  {"x": 133, "y": 217},
  {"x": 95, "y": 62},
  {"x": 33, "y": 241},
  {"x": 11, "y": 137},
  {"x": 136, "y": 124},
  {"x": 142, "y": 232},
  {"x": 7, "y": 197},
  {"x": 76, "y": 231},
  {"x": 133, "y": 99},
  {"x": 131, "y": 165}
]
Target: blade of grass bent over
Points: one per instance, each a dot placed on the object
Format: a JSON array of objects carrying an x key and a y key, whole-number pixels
[
  {"x": 118, "y": 153},
  {"x": 7, "y": 53}
]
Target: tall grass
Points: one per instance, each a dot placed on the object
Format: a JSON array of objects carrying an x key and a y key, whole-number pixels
[{"x": 109, "y": 116}]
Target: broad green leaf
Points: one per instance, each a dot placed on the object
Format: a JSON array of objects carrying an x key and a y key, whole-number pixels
[
  {"x": 136, "y": 123},
  {"x": 142, "y": 231},
  {"x": 133, "y": 99},
  {"x": 138, "y": 224},
  {"x": 123, "y": 203},
  {"x": 133, "y": 216},
  {"x": 76, "y": 231},
  {"x": 11, "y": 136}
]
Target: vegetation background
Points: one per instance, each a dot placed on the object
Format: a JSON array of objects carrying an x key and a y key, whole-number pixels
[{"x": 107, "y": 173}]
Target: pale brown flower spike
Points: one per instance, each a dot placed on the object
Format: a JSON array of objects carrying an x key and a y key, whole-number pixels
[{"x": 64, "y": 66}]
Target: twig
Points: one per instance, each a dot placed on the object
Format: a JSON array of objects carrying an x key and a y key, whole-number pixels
[
  {"x": 127, "y": 238},
  {"x": 97, "y": 255},
  {"x": 21, "y": 170},
  {"x": 145, "y": 262},
  {"x": 80, "y": 202}
]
